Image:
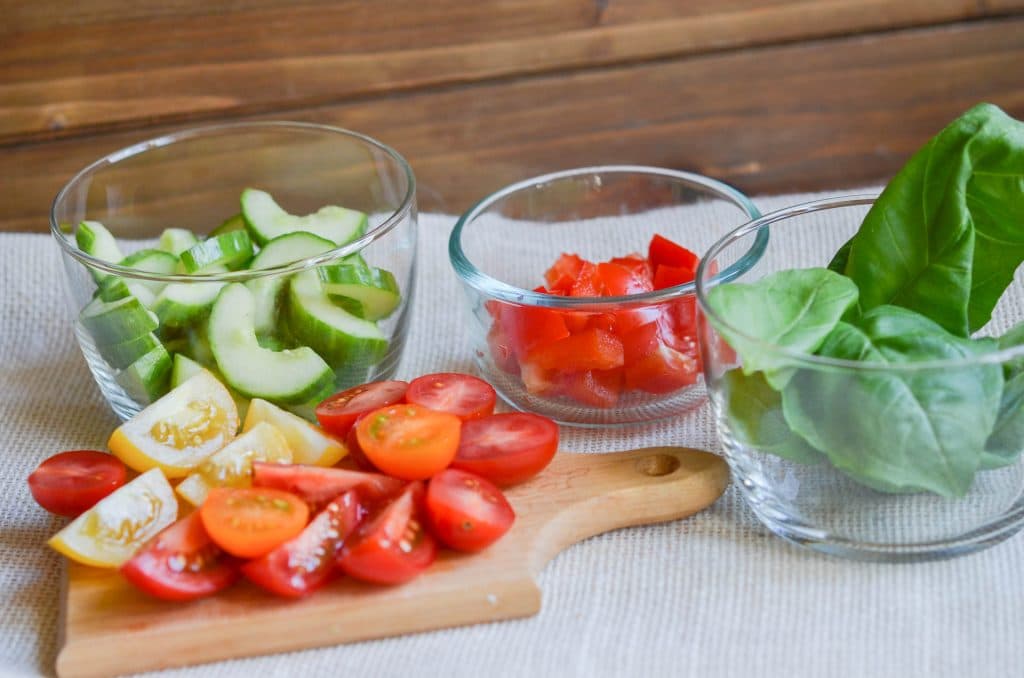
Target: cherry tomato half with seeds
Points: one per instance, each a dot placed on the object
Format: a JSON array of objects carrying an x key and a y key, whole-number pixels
[
  {"x": 251, "y": 522},
  {"x": 409, "y": 441},
  {"x": 181, "y": 563},
  {"x": 507, "y": 448},
  {"x": 463, "y": 395},
  {"x": 71, "y": 483},
  {"x": 339, "y": 413},
  {"x": 392, "y": 546},
  {"x": 467, "y": 512},
  {"x": 319, "y": 486}
]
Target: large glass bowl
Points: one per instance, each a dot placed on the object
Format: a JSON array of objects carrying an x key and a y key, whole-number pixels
[
  {"x": 502, "y": 247},
  {"x": 193, "y": 180},
  {"x": 866, "y": 414}
]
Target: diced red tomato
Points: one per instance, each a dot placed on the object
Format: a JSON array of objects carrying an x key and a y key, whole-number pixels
[
  {"x": 181, "y": 563},
  {"x": 507, "y": 448},
  {"x": 463, "y": 395},
  {"x": 670, "y": 276},
  {"x": 587, "y": 283},
  {"x": 662, "y": 371},
  {"x": 307, "y": 562},
  {"x": 538, "y": 380},
  {"x": 467, "y": 512},
  {"x": 664, "y": 252},
  {"x": 338, "y": 413},
  {"x": 563, "y": 273},
  {"x": 318, "y": 486},
  {"x": 598, "y": 388},
  {"x": 591, "y": 349},
  {"x": 392, "y": 546},
  {"x": 501, "y": 349},
  {"x": 640, "y": 342},
  {"x": 620, "y": 281},
  {"x": 70, "y": 483},
  {"x": 527, "y": 327}
]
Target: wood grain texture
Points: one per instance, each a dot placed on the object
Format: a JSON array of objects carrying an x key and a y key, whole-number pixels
[
  {"x": 576, "y": 497},
  {"x": 69, "y": 68},
  {"x": 834, "y": 113}
]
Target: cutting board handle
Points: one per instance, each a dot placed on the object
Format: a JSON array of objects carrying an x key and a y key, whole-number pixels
[{"x": 621, "y": 489}]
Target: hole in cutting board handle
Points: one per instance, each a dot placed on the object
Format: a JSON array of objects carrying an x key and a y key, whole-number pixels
[{"x": 657, "y": 464}]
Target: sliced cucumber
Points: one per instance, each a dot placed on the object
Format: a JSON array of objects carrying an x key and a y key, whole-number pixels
[
  {"x": 113, "y": 288},
  {"x": 374, "y": 291},
  {"x": 282, "y": 250},
  {"x": 177, "y": 240},
  {"x": 182, "y": 304},
  {"x": 123, "y": 354},
  {"x": 266, "y": 220},
  {"x": 185, "y": 368},
  {"x": 291, "y": 376},
  {"x": 120, "y": 320},
  {"x": 94, "y": 239},
  {"x": 148, "y": 378},
  {"x": 199, "y": 346},
  {"x": 340, "y": 337},
  {"x": 232, "y": 250},
  {"x": 235, "y": 223},
  {"x": 150, "y": 261}
]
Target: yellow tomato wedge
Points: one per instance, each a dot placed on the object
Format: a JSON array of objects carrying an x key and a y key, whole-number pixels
[
  {"x": 110, "y": 532},
  {"x": 308, "y": 443},
  {"x": 180, "y": 430},
  {"x": 232, "y": 466}
]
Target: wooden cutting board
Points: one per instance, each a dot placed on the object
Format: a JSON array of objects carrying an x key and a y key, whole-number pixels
[{"x": 111, "y": 628}]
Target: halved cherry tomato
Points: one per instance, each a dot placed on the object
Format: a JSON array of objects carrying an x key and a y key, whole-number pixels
[
  {"x": 307, "y": 562},
  {"x": 70, "y": 483},
  {"x": 467, "y": 512},
  {"x": 338, "y": 413},
  {"x": 463, "y": 395},
  {"x": 663, "y": 370},
  {"x": 392, "y": 546},
  {"x": 355, "y": 452},
  {"x": 409, "y": 441},
  {"x": 251, "y": 522},
  {"x": 319, "y": 486},
  {"x": 592, "y": 349},
  {"x": 181, "y": 563},
  {"x": 664, "y": 252},
  {"x": 507, "y": 448}
]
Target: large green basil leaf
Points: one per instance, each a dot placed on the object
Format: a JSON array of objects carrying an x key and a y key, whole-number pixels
[
  {"x": 944, "y": 238},
  {"x": 898, "y": 430},
  {"x": 795, "y": 309},
  {"x": 753, "y": 414},
  {"x": 1007, "y": 439}
]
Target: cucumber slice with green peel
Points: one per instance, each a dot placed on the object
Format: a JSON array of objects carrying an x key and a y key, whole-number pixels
[
  {"x": 199, "y": 347},
  {"x": 266, "y": 220},
  {"x": 177, "y": 240},
  {"x": 183, "y": 304},
  {"x": 374, "y": 290},
  {"x": 148, "y": 378},
  {"x": 94, "y": 239},
  {"x": 123, "y": 354},
  {"x": 291, "y": 376},
  {"x": 150, "y": 261},
  {"x": 330, "y": 330},
  {"x": 113, "y": 322},
  {"x": 184, "y": 368},
  {"x": 232, "y": 250},
  {"x": 282, "y": 250},
  {"x": 235, "y": 223},
  {"x": 113, "y": 288}
]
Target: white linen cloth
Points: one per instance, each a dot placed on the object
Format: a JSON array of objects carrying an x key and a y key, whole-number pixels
[{"x": 713, "y": 595}]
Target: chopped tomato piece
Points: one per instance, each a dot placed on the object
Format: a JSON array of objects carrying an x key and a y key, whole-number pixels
[
  {"x": 538, "y": 380},
  {"x": 251, "y": 522},
  {"x": 670, "y": 276},
  {"x": 181, "y": 563},
  {"x": 563, "y": 273},
  {"x": 592, "y": 349},
  {"x": 409, "y": 441},
  {"x": 640, "y": 342},
  {"x": 463, "y": 395},
  {"x": 662, "y": 371},
  {"x": 587, "y": 283},
  {"x": 392, "y": 546},
  {"x": 307, "y": 562},
  {"x": 467, "y": 512},
  {"x": 598, "y": 388},
  {"x": 507, "y": 448},
  {"x": 527, "y": 327},
  {"x": 664, "y": 252},
  {"x": 319, "y": 486},
  {"x": 621, "y": 280},
  {"x": 338, "y": 413}
]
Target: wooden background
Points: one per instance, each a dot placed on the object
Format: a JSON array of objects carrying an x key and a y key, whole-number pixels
[{"x": 771, "y": 95}]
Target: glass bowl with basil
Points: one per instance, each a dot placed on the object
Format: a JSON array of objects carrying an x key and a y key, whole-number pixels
[{"x": 867, "y": 373}]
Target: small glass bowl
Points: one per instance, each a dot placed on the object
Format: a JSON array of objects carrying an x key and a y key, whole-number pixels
[
  {"x": 502, "y": 247},
  {"x": 846, "y": 404},
  {"x": 193, "y": 179}
]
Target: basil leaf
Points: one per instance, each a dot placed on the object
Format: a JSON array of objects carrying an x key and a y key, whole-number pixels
[
  {"x": 898, "y": 431},
  {"x": 1007, "y": 439},
  {"x": 944, "y": 238},
  {"x": 753, "y": 415},
  {"x": 795, "y": 309}
]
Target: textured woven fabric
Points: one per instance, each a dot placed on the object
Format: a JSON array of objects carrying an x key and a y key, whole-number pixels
[{"x": 714, "y": 595}]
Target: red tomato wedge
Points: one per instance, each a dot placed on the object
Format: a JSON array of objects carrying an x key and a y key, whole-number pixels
[
  {"x": 593, "y": 349},
  {"x": 463, "y": 395},
  {"x": 181, "y": 563},
  {"x": 409, "y": 441},
  {"x": 507, "y": 448},
  {"x": 467, "y": 512},
  {"x": 663, "y": 370},
  {"x": 307, "y": 562},
  {"x": 251, "y": 522},
  {"x": 664, "y": 252},
  {"x": 392, "y": 546},
  {"x": 72, "y": 482},
  {"x": 319, "y": 486},
  {"x": 338, "y": 413}
]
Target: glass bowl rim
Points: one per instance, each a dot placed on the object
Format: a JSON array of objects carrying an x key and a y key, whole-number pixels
[
  {"x": 225, "y": 129},
  {"x": 809, "y": 360},
  {"x": 492, "y": 287}
]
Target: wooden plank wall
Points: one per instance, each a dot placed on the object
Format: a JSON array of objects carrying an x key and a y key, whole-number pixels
[{"x": 772, "y": 95}]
